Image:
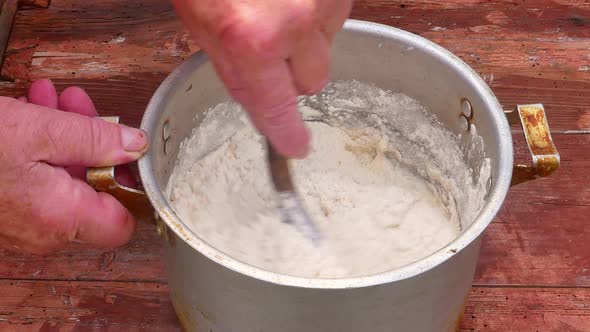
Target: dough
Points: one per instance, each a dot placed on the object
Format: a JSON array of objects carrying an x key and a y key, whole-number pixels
[
  {"x": 364, "y": 184},
  {"x": 375, "y": 216}
]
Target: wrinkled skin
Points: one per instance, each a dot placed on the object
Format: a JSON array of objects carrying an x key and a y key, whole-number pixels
[
  {"x": 268, "y": 52},
  {"x": 44, "y": 201}
]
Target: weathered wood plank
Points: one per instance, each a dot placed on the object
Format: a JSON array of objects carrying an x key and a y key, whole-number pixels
[
  {"x": 528, "y": 52},
  {"x": 567, "y": 186},
  {"x": 139, "y": 260},
  {"x": 118, "y": 95},
  {"x": 536, "y": 245},
  {"x": 108, "y": 306},
  {"x": 83, "y": 306},
  {"x": 528, "y": 309},
  {"x": 74, "y": 39},
  {"x": 540, "y": 237},
  {"x": 8, "y": 9}
]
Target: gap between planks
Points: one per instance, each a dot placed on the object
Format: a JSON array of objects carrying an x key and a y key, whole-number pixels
[
  {"x": 476, "y": 285},
  {"x": 126, "y": 281}
]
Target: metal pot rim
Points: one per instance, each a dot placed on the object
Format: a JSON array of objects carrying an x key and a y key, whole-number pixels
[{"x": 469, "y": 235}]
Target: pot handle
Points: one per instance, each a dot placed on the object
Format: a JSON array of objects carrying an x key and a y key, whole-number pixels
[
  {"x": 103, "y": 179},
  {"x": 545, "y": 157}
]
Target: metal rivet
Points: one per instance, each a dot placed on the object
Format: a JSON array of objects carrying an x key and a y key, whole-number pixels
[
  {"x": 488, "y": 187},
  {"x": 166, "y": 130},
  {"x": 466, "y": 108},
  {"x": 463, "y": 123},
  {"x": 166, "y": 142}
]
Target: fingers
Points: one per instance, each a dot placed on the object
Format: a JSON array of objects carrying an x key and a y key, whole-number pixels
[
  {"x": 267, "y": 93},
  {"x": 42, "y": 92},
  {"x": 67, "y": 207},
  {"x": 75, "y": 211},
  {"x": 72, "y": 99},
  {"x": 102, "y": 220},
  {"x": 66, "y": 139},
  {"x": 267, "y": 53},
  {"x": 332, "y": 15},
  {"x": 310, "y": 63},
  {"x": 76, "y": 100},
  {"x": 251, "y": 60}
]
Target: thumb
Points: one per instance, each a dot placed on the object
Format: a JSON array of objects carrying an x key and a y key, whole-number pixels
[{"x": 67, "y": 139}]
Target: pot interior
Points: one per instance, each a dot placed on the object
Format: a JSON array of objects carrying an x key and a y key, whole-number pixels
[{"x": 390, "y": 60}]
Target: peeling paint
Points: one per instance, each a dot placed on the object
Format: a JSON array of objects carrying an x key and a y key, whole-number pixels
[
  {"x": 117, "y": 40},
  {"x": 96, "y": 66},
  {"x": 488, "y": 78}
]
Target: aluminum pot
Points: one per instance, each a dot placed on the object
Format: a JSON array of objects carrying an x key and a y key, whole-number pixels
[{"x": 213, "y": 292}]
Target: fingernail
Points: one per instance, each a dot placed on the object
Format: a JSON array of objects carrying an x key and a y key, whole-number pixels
[{"x": 133, "y": 140}]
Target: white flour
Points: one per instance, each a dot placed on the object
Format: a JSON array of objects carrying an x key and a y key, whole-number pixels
[{"x": 372, "y": 204}]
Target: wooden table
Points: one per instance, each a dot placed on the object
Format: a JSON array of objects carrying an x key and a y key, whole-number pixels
[{"x": 534, "y": 272}]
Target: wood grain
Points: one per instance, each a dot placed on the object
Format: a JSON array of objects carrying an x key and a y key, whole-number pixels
[
  {"x": 83, "y": 306},
  {"x": 533, "y": 274},
  {"x": 527, "y": 51},
  {"x": 527, "y": 310},
  {"x": 34, "y": 3},
  {"x": 120, "y": 306},
  {"x": 8, "y": 9},
  {"x": 139, "y": 260}
]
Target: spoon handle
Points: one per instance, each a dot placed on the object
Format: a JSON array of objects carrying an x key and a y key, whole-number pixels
[
  {"x": 290, "y": 205},
  {"x": 279, "y": 170}
]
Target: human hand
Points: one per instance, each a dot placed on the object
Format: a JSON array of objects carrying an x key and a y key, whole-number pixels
[
  {"x": 268, "y": 52},
  {"x": 44, "y": 199}
]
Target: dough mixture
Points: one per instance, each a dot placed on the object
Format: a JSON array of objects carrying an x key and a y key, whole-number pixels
[{"x": 375, "y": 214}]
